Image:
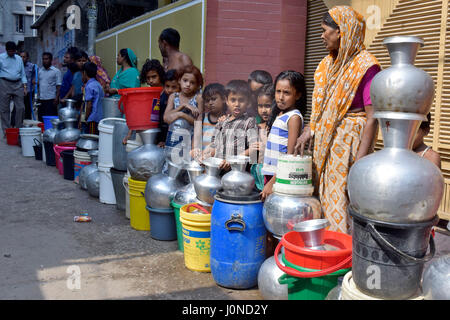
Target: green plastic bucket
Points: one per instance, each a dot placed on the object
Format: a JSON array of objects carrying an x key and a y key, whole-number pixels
[
  {"x": 176, "y": 210},
  {"x": 309, "y": 288}
]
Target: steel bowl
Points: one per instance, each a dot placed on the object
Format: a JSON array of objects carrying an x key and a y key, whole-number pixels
[{"x": 88, "y": 142}]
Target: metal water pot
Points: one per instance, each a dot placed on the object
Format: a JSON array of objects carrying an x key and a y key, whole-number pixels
[
  {"x": 148, "y": 159},
  {"x": 186, "y": 194},
  {"x": 436, "y": 279},
  {"x": 49, "y": 134},
  {"x": 110, "y": 107},
  {"x": 119, "y": 152},
  {"x": 207, "y": 184},
  {"x": 69, "y": 133},
  {"x": 160, "y": 188},
  {"x": 68, "y": 112},
  {"x": 395, "y": 184},
  {"x": 88, "y": 142},
  {"x": 268, "y": 285},
  {"x": 238, "y": 181},
  {"x": 87, "y": 170},
  {"x": 280, "y": 208},
  {"x": 93, "y": 183}
]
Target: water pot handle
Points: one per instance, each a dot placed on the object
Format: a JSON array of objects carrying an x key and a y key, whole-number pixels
[
  {"x": 199, "y": 207},
  {"x": 235, "y": 218},
  {"x": 381, "y": 240},
  {"x": 119, "y": 105},
  {"x": 38, "y": 142},
  {"x": 313, "y": 274}
]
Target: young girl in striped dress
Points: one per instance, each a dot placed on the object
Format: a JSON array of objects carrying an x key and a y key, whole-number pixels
[{"x": 285, "y": 124}]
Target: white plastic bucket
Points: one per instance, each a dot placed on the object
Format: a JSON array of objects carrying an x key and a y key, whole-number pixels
[
  {"x": 349, "y": 291},
  {"x": 107, "y": 194},
  {"x": 127, "y": 195},
  {"x": 81, "y": 159},
  {"x": 27, "y": 136},
  {"x": 105, "y": 140},
  {"x": 294, "y": 175},
  {"x": 133, "y": 144}
]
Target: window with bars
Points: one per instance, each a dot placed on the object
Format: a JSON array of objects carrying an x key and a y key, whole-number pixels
[{"x": 19, "y": 23}]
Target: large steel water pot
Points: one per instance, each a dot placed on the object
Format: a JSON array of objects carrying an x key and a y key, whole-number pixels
[
  {"x": 186, "y": 194},
  {"x": 268, "y": 285},
  {"x": 88, "y": 142},
  {"x": 280, "y": 208},
  {"x": 70, "y": 133},
  {"x": 238, "y": 181},
  {"x": 207, "y": 184},
  {"x": 110, "y": 107},
  {"x": 68, "y": 112},
  {"x": 436, "y": 279},
  {"x": 87, "y": 170},
  {"x": 119, "y": 152},
  {"x": 160, "y": 188},
  {"x": 148, "y": 159}
]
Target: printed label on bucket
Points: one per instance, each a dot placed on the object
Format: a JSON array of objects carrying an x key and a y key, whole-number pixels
[
  {"x": 294, "y": 182},
  {"x": 154, "y": 117}
]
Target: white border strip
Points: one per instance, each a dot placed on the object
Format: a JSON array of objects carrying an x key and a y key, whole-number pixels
[{"x": 162, "y": 14}]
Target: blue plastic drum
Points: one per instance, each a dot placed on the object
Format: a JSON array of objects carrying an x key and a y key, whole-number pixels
[{"x": 238, "y": 241}]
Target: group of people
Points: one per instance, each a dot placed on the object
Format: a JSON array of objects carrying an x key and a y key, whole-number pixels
[
  {"x": 26, "y": 85},
  {"x": 257, "y": 117}
]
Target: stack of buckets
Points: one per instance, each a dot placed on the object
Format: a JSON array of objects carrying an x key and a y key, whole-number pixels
[
  {"x": 81, "y": 160},
  {"x": 311, "y": 273},
  {"x": 105, "y": 159},
  {"x": 29, "y": 137},
  {"x": 59, "y": 148}
]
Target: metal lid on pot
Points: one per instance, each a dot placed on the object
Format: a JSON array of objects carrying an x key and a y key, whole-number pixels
[{"x": 254, "y": 196}]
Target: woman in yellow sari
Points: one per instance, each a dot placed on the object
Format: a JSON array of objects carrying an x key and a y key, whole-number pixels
[{"x": 342, "y": 128}]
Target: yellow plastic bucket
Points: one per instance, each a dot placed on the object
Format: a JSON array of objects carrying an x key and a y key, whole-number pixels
[
  {"x": 139, "y": 216},
  {"x": 196, "y": 227}
]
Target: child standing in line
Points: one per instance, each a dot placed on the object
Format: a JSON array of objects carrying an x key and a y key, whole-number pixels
[
  {"x": 93, "y": 98},
  {"x": 233, "y": 135},
  {"x": 421, "y": 148},
  {"x": 183, "y": 109},
  {"x": 285, "y": 124},
  {"x": 214, "y": 97},
  {"x": 265, "y": 99},
  {"x": 256, "y": 80},
  {"x": 171, "y": 85}
]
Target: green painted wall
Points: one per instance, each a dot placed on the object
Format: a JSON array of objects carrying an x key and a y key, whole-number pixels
[{"x": 143, "y": 38}]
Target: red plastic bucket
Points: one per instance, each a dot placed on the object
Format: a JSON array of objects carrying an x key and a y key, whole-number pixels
[
  {"x": 41, "y": 125},
  {"x": 325, "y": 261},
  {"x": 141, "y": 107},
  {"x": 12, "y": 136},
  {"x": 58, "y": 149}
]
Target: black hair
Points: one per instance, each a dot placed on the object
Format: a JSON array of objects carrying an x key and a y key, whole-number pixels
[
  {"x": 171, "y": 75},
  {"x": 297, "y": 80},
  {"x": 72, "y": 51},
  {"x": 10, "y": 45},
  {"x": 48, "y": 54},
  {"x": 152, "y": 64},
  {"x": 73, "y": 67},
  {"x": 425, "y": 125},
  {"x": 91, "y": 69},
  {"x": 76, "y": 56},
  {"x": 26, "y": 53},
  {"x": 329, "y": 21},
  {"x": 267, "y": 90},
  {"x": 239, "y": 87},
  {"x": 84, "y": 55},
  {"x": 124, "y": 53},
  {"x": 260, "y": 76},
  {"x": 171, "y": 36},
  {"x": 213, "y": 89}
]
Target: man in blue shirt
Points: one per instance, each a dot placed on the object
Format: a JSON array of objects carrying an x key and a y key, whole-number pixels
[
  {"x": 68, "y": 76},
  {"x": 30, "y": 72},
  {"x": 13, "y": 85},
  {"x": 93, "y": 99}
]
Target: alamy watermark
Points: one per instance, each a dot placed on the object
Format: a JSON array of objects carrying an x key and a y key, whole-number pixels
[{"x": 74, "y": 280}]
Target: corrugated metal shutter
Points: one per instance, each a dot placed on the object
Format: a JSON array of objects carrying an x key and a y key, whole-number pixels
[{"x": 315, "y": 50}]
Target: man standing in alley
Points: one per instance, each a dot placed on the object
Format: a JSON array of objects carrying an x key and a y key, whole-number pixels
[
  {"x": 13, "y": 85},
  {"x": 69, "y": 57},
  {"x": 169, "y": 45},
  {"x": 30, "y": 72},
  {"x": 49, "y": 83}
]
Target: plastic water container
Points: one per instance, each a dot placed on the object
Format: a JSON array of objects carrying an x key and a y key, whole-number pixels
[
  {"x": 139, "y": 216},
  {"x": 27, "y": 137},
  {"x": 127, "y": 195},
  {"x": 48, "y": 121},
  {"x": 105, "y": 141},
  {"x": 294, "y": 175},
  {"x": 238, "y": 243},
  {"x": 107, "y": 194},
  {"x": 81, "y": 159}
]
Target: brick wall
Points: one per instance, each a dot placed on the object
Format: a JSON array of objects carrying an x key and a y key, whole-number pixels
[{"x": 242, "y": 36}]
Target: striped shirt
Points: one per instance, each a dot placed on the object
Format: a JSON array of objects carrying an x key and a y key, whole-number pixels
[
  {"x": 207, "y": 130},
  {"x": 233, "y": 137},
  {"x": 277, "y": 142}
]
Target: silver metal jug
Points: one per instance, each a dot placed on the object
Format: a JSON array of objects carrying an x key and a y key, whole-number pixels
[
  {"x": 207, "y": 184},
  {"x": 110, "y": 107},
  {"x": 87, "y": 170},
  {"x": 70, "y": 133},
  {"x": 68, "y": 112},
  {"x": 160, "y": 188},
  {"x": 146, "y": 160},
  {"x": 88, "y": 142},
  {"x": 268, "y": 285},
  {"x": 238, "y": 181},
  {"x": 119, "y": 152},
  {"x": 186, "y": 194}
]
